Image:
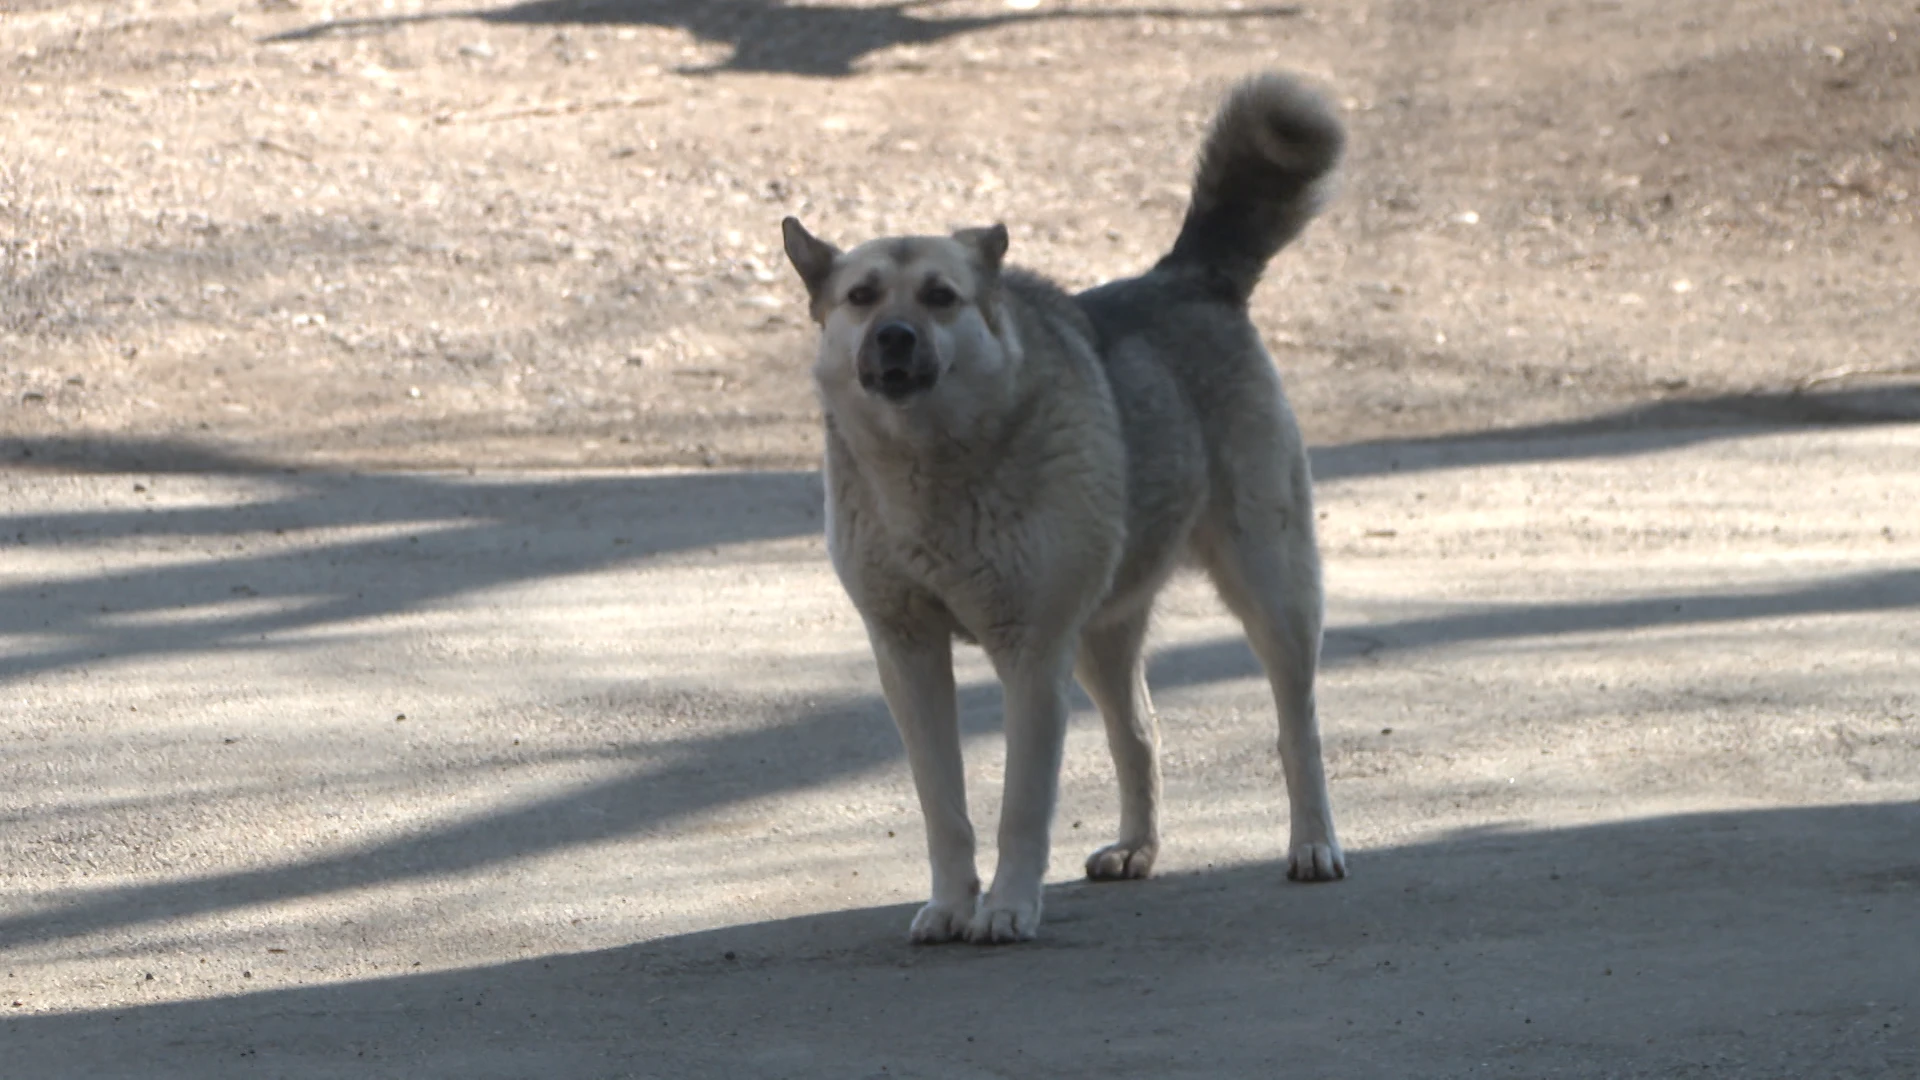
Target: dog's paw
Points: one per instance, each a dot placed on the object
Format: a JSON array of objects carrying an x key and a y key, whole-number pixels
[
  {"x": 937, "y": 923},
  {"x": 998, "y": 923},
  {"x": 1316, "y": 862},
  {"x": 1122, "y": 862}
]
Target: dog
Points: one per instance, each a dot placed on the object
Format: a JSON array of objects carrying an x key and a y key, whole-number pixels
[{"x": 1016, "y": 467}]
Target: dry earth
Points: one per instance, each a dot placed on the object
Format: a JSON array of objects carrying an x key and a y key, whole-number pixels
[
  {"x": 400, "y": 233},
  {"x": 551, "y": 774},
  {"x": 350, "y": 728}
]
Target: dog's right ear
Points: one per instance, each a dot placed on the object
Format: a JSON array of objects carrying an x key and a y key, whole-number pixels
[
  {"x": 812, "y": 257},
  {"x": 989, "y": 245}
]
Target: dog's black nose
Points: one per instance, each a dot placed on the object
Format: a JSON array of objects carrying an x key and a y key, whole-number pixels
[
  {"x": 896, "y": 341},
  {"x": 893, "y": 365}
]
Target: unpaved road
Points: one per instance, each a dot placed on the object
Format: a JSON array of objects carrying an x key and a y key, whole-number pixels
[
  {"x": 374, "y": 704},
  {"x": 532, "y": 775},
  {"x": 402, "y": 233}
]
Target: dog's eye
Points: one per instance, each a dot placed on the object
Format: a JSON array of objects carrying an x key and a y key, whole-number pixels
[
  {"x": 862, "y": 295},
  {"x": 939, "y": 296}
]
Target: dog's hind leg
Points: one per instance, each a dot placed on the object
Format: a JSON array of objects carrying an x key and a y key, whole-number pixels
[
  {"x": 916, "y": 674},
  {"x": 1110, "y": 668},
  {"x": 1259, "y": 550}
]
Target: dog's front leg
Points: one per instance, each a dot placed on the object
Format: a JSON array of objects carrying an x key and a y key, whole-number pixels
[
  {"x": 1036, "y": 720},
  {"x": 916, "y": 674}
]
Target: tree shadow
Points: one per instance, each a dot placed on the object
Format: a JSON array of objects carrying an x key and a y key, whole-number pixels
[
  {"x": 1672, "y": 946},
  {"x": 445, "y": 535},
  {"x": 819, "y": 40},
  {"x": 435, "y": 536},
  {"x": 1650, "y": 428},
  {"x": 836, "y": 743},
  {"x": 1848, "y": 594},
  {"x": 466, "y": 534}
]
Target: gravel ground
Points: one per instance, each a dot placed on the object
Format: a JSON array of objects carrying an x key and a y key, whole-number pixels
[
  {"x": 418, "y": 656},
  {"x": 586, "y": 774},
  {"x": 405, "y": 233}
]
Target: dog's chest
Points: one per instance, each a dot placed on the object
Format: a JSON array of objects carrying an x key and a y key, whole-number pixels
[
  {"x": 942, "y": 553},
  {"x": 958, "y": 543}
]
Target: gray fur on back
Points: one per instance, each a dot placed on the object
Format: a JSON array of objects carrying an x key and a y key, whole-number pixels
[{"x": 1183, "y": 364}]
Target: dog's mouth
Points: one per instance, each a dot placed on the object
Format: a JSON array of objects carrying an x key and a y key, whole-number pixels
[
  {"x": 895, "y": 362},
  {"x": 897, "y": 384}
]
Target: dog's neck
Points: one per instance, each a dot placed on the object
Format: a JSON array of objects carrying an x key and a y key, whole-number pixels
[
  {"x": 932, "y": 440},
  {"x": 914, "y": 455}
]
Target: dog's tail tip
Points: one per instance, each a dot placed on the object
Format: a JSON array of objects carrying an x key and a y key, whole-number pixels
[
  {"x": 1261, "y": 179},
  {"x": 1284, "y": 122}
]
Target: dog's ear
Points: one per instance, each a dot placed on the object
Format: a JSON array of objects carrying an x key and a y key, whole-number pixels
[
  {"x": 989, "y": 245},
  {"x": 812, "y": 257}
]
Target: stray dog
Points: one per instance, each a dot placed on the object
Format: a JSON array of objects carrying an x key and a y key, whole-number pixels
[{"x": 1013, "y": 466}]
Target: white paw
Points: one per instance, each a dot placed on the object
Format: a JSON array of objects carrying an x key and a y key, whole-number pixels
[
  {"x": 938, "y": 923},
  {"x": 1316, "y": 862},
  {"x": 1122, "y": 862},
  {"x": 999, "y": 923}
]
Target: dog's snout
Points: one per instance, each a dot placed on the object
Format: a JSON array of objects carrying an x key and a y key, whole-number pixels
[
  {"x": 895, "y": 363},
  {"x": 896, "y": 341}
]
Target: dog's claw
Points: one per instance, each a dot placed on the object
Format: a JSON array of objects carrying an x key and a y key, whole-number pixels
[
  {"x": 996, "y": 924},
  {"x": 1316, "y": 862},
  {"x": 937, "y": 924},
  {"x": 1122, "y": 861}
]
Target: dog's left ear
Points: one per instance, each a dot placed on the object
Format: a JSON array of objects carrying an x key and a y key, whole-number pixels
[
  {"x": 989, "y": 245},
  {"x": 812, "y": 257}
]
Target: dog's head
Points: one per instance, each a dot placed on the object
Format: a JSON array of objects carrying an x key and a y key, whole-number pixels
[{"x": 901, "y": 316}]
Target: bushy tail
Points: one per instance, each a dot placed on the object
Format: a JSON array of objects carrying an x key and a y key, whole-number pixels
[{"x": 1260, "y": 181}]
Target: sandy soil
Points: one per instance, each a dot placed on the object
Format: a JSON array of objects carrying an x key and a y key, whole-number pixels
[
  {"x": 586, "y": 775},
  {"x": 396, "y": 681},
  {"x": 402, "y": 233}
]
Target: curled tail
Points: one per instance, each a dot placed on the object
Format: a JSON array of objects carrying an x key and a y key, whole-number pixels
[{"x": 1259, "y": 182}]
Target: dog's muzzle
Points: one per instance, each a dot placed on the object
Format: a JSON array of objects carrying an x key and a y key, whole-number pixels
[{"x": 894, "y": 365}]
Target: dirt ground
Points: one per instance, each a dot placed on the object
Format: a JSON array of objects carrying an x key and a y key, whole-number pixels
[
  {"x": 585, "y": 774},
  {"x": 405, "y": 233},
  {"x": 418, "y": 655}
]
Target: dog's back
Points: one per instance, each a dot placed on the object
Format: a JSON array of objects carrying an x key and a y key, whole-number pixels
[{"x": 1198, "y": 396}]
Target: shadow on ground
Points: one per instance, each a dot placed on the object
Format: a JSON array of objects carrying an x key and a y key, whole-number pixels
[
  {"x": 1642, "y": 949},
  {"x": 423, "y": 539},
  {"x": 1648, "y": 428},
  {"x": 1892, "y": 590},
  {"x": 446, "y": 535},
  {"x": 821, "y": 40},
  {"x": 839, "y": 741},
  {"x": 835, "y": 743}
]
